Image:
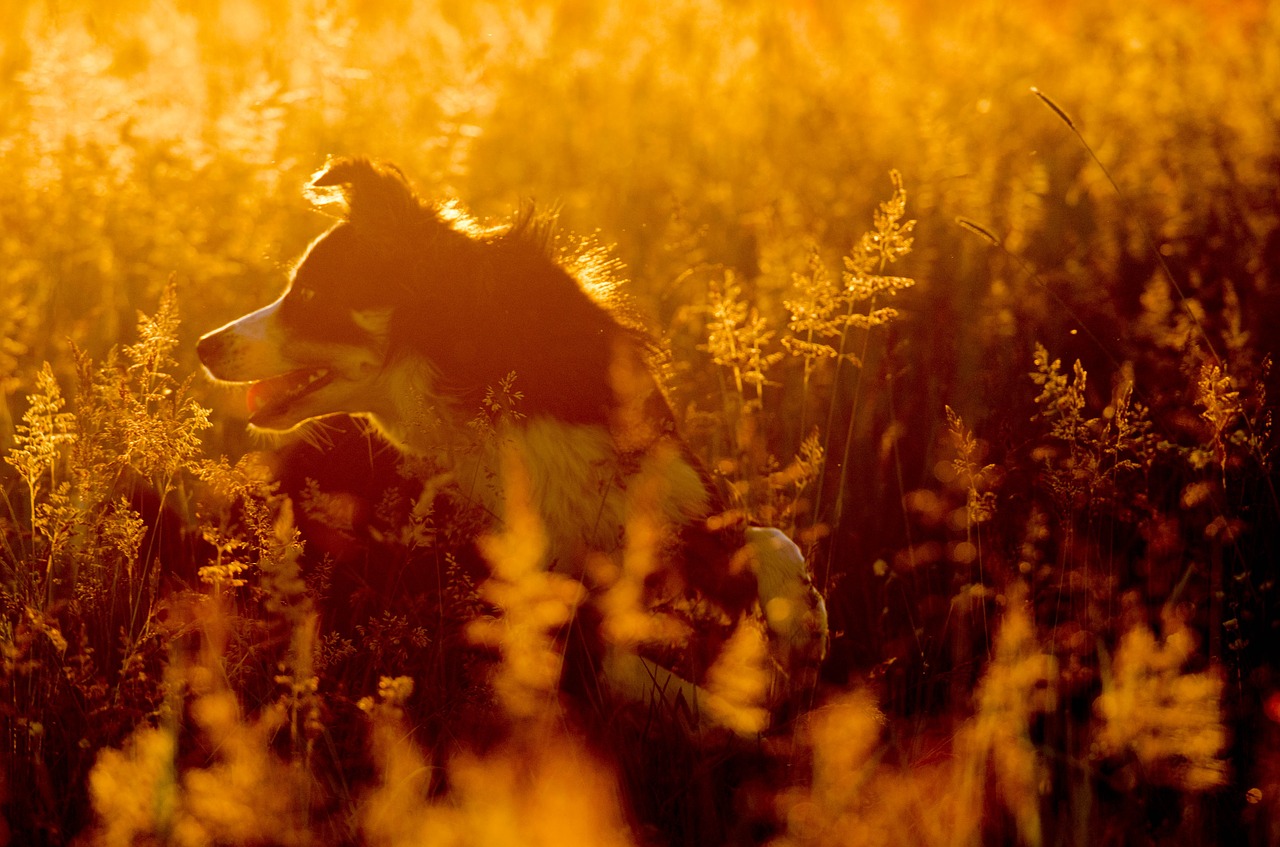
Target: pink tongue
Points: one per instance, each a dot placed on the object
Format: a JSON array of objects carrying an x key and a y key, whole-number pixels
[{"x": 265, "y": 392}]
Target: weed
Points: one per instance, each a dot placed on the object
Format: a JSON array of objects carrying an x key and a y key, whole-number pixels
[{"x": 1052, "y": 600}]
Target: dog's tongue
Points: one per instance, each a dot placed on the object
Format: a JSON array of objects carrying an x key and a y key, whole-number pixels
[{"x": 264, "y": 392}]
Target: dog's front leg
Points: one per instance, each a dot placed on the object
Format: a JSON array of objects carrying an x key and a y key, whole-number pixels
[{"x": 792, "y": 606}]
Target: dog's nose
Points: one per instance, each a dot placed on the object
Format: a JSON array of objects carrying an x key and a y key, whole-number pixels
[{"x": 209, "y": 347}]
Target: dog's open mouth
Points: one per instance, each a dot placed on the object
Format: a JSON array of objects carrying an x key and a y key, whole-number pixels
[{"x": 271, "y": 396}]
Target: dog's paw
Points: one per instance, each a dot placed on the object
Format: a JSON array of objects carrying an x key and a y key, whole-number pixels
[{"x": 792, "y": 606}]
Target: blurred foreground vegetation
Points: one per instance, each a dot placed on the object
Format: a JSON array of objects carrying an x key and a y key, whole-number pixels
[{"x": 1046, "y": 523}]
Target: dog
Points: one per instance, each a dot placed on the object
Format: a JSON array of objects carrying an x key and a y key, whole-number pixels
[{"x": 410, "y": 315}]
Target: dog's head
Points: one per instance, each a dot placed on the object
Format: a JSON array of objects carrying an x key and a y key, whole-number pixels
[
  {"x": 406, "y": 306},
  {"x": 324, "y": 346}
]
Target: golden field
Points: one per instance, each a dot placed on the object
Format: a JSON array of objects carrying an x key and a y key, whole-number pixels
[{"x": 978, "y": 300}]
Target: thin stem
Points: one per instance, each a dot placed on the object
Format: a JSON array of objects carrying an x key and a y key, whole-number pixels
[
  {"x": 831, "y": 415},
  {"x": 848, "y": 444},
  {"x": 1129, "y": 212}
]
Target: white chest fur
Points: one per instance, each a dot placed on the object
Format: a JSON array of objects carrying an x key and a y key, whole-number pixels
[{"x": 583, "y": 490}]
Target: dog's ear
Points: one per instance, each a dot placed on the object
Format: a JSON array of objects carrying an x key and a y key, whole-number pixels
[{"x": 365, "y": 192}]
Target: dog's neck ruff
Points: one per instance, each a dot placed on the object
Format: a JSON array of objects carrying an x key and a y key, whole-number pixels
[{"x": 585, "y": 489}]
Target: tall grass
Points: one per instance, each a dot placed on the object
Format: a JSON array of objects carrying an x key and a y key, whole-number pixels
[{"x": 1038, "y": 490}]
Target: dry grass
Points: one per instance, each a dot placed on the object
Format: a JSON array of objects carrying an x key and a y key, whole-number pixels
[{"x": 999, "y": 358}]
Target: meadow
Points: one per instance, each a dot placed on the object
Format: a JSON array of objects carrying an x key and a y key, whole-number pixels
[{"x": 978, "y": 300}]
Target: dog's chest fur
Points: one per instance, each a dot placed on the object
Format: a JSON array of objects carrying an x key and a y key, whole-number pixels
[
  {"x": 586, "y": 481},
  {"x": 585, "y": 492}
]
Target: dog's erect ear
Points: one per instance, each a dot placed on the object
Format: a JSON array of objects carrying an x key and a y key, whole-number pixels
[{"x": 366, "y": 193}]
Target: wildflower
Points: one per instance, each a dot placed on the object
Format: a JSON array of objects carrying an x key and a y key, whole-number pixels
[
  {"x": 1091, "y": 458},
  {"x": 979, "y": 504},
  {"x": 888, "y": 241},
  {"x": 246, "y": 795},
  {"x": 1018, "y": 684},
  {"x": 135, "y": 789},
  {"x": 544, "y": 789},
  {"x": 500, "y": 405},
  {"x": 45, "y": 431},
  {"x": 160, "y": 424},
  {"x": 627, "y": 621},
  {"x": 1169, "y": 720},
  {"x": 534, "y": 602},
  {"x": 814, "y": 308},
  {"x": 845, "y": 735},
  {"x": 737, "y": 337},
  {"x": 738, "y": 682},
  {"x": 1230, "y": 428}
]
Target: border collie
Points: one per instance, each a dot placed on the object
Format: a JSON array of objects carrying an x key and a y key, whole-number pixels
[{"x": 408, "y": 314}]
